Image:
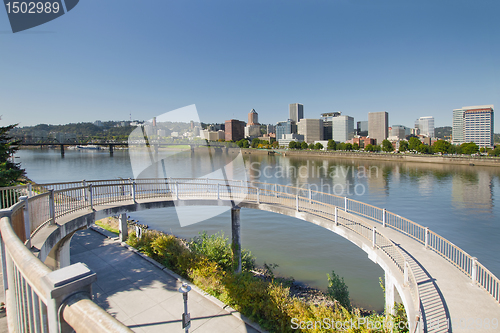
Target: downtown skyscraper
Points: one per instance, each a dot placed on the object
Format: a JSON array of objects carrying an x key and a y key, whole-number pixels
[{"x": 473, "y": 124}]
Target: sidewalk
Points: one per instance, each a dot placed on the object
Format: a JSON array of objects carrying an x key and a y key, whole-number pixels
[{"x": 143, "y": 296}]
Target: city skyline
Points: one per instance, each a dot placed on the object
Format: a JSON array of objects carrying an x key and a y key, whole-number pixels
[{"x": 231, "y": 59}]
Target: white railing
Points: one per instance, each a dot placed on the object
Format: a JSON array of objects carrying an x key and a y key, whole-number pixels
[
  {"x": 39, "y": 299},
  {"x": 52, "y": 201}
]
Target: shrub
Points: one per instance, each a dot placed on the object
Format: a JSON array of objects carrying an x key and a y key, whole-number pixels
[{"x": 337, "y": 290}]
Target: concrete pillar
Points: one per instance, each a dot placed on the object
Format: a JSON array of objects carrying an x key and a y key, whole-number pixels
[
  {"x": 62, "y": 150},
  {"x": 236, "y": 243},
  {"x": 122, "y": 226},
  {"x": 389, "y": 295},
  {"x": 59, "y": 256},
  {"x": 110, "y": 150}
]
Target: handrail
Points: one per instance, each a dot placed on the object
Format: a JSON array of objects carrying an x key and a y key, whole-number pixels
[{"x": 85, "y": 316}]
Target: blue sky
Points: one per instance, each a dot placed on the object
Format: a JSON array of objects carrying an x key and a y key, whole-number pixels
[{"x": 107, "y": 59}]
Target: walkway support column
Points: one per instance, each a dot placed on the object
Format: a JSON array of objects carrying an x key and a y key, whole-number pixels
[
  {"x": 389, "y": 295},
  {"x": 110, "y": 150},
  {"x": 122, "y": 226},
  {"x": 236, "y": 244}
]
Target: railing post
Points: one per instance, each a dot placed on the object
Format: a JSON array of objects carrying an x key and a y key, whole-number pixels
[
  {"x": 474, "y": 271},
  {"x": 297, "y": 202},
  {"x": 258, "y": 195},
  {"x": 405, "y": 274},
  {"x": 310, "y": 194},
  {"x": 84, "y": 190},
  {"x": 52, "y": 207},
  {"x": 426, "y": 237},
  {"x": 218, "y": 191},
  {"x": 336, "y": 216},
  {"x": 27, "y": 226},
  {"x": 132, "y": 190},
  {"x": 30, "y": 190},
  {"x": 374, "y": 237},
  {"x": 91, "y": 197},
  {"x": 60, "y": 285},
  {"x": 383, "y": 217},
  {"x": 345, "y": 204},
  {"x": 177, "y": 190}
]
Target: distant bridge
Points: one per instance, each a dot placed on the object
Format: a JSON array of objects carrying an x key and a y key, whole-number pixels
[{"x": 442, "y": 287}]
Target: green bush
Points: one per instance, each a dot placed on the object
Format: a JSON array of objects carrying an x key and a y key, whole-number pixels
[{"x": 337, "y": 290}]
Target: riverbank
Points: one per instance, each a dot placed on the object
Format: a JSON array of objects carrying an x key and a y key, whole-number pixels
[{"x": 417, "y": 158}]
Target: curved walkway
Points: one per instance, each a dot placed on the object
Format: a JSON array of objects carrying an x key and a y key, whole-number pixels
[
  {"x": 444, "y": 290},
  {"x": 142, "y": 295}
]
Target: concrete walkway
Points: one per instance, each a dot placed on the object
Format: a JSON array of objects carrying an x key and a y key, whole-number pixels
[{"x": 143, "y": 296}]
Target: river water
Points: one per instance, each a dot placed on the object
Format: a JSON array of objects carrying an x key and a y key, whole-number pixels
[{"x": 457, "y": 202}]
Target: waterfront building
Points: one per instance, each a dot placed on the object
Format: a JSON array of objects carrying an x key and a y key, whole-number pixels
[
  {"x": 287, "y": 138},
  {"x": 362, "y": 128},
  {"x": 296, "y": 112},
  {"x": 311, "y": 129},
  {"x": 327, "y": 124},
  {"x": 285, "y": 127},
  {"x": 474, "y": 124},
  {"x": 235, "y": 130},
  {"x": 426, "y": 126},
  {"x": 271, "y": 129},
  {"x": 252, "y": 129},
  {"x": 342, "y": 128},
  {"x": 398, "y": 132},
  {"x": 378, "y": 126}
]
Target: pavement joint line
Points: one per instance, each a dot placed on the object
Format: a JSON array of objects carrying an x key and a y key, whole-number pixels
[{"x": 167, "y": 271}]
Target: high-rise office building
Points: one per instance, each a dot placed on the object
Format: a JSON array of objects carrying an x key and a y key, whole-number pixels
[
  {"x": 362, "y": 128},
  {"x": 253, "y": 117},
  {"x": 426, "y": 126},
  {"x": 327, "y": 124},
  {"x": 252, "y": 129},
  {"x": 342, "y": 128},
  {"x": 398, "y": 131},
  {"x": 296, "y": 112},
  {"x": 235, "y": 130},
  {"x": 285, "y": 127},
  {"x": 271, "y": 129},
  {"x": 473, "y": 124},
  {"x": 378, "y": 126},
  {"x": 311, "y": 129}
]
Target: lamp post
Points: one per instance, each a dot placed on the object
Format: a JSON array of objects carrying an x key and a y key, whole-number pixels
[{"x": 186, "y": 320}]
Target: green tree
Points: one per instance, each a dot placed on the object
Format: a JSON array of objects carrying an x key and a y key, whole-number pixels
[
  {"x": 423, "y": 149},
  {"x": 403, "y": 145},
  {"x": 311, "y": 146},
  {"x": 355, "y": 146},
  {"x": 469, "y": 148},
  {"x": 494, "y": 152},
  {"x": 332, "y": 145},
  {"x": 10, "y": 172},
  {"x": 318, "y": 146},
  {"x": 303, "y": 145},
  {"x": 413, "y": 143},
  {"x": 243, "y": 143},
  {"x": 369, "y": 147},
  {"x": 337, "y": 290},
  {"x": 387, "y": 145},
  {"x": 255, "y": 143},
  {"x": 294, "y": 145},
  {"x": 441, "y": 146}
]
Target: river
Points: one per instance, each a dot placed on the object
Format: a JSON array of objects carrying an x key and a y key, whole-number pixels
[{"x": 457, "y": 202}]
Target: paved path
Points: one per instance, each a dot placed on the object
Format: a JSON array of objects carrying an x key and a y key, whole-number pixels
[
  {"x": 470, "y": 307},
  {"x": 141, "y": 295}
]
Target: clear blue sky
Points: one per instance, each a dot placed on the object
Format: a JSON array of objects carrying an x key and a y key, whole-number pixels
[{"x": 108, "y": 58}]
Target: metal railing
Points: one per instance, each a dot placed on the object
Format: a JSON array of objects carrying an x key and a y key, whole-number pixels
[
  {"x": 52, "y": 201},
  {"x": 39, "y": 299}
]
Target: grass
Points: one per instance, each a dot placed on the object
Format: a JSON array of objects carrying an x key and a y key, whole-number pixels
[{"x": 109, "y": 224}]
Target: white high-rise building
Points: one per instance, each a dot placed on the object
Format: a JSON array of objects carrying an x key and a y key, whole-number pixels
[
  {"x": 473, "y": 124},
  {"x": 342, "y": 128},
  {"x": 426, "y": 126}
]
